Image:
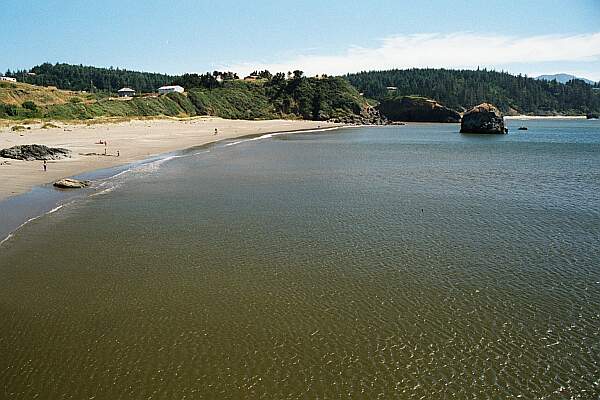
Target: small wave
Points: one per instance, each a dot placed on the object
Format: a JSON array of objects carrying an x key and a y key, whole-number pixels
[
  {"x": 163, "y": 160},
  {"x": 120, "y": 173},
  {"x": 270, "y": 135},
  {"x": 104, "y": 191},
  {"x": 11, "y": 234},
  {"x": 144, "y": 167}
]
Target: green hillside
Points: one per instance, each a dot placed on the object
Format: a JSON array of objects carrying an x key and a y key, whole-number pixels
[
  {"x": 300, "y": 97},
  {"x": 23, "y": 101}
]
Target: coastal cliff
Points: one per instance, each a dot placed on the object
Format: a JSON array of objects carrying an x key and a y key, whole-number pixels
[{"x": 416, "y": 109}]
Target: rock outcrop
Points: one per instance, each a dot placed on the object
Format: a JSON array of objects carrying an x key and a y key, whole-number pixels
[
  {"x": 31, "y": 152},
  {"x": 416, "y": 109},
  {"x": 367, "y": 116},
  {"x": 484, "y": 118},
  {"x": 593, "y": 116},
  {"x": 69, "y": 183}
]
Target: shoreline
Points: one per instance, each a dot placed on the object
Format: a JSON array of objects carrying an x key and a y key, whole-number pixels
[
  {"x": 524, "y": 117},
  {"x": 135, "y": 140}
]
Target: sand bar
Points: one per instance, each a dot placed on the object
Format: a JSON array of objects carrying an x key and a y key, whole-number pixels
[{"x": 135, "y": 140}]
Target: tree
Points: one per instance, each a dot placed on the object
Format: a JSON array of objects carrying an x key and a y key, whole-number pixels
[
  {"x": 278, "y": 78},
  {"x": 29, "y": 105}
]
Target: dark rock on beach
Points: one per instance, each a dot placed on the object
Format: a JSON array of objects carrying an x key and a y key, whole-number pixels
[
  {"x": 69, "y": 183},
  {"x": 484, "y": 118},
  {"x": 31, "y": 152},
  {"x": 417, "y": 109}
]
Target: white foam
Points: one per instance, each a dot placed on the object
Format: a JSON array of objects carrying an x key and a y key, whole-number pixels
[{"x": 105, "y": 191}]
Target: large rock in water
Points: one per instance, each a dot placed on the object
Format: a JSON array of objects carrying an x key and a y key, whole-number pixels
[
  {"x": 484, "y": 118},
  {"x": 69, "y": 183},
  {"x": 32, "y": 152},
  {"x": 416, "y": 109}
]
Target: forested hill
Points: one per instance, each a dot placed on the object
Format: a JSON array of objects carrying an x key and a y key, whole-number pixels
[
  {"x": 462, "y": 89},
  {"x": 80, "y": 77}
]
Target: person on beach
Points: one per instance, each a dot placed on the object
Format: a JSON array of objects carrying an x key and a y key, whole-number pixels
[
  {"x": 118, "y": 153},
  {"x": 45, "y": 166},
  {"x": 216, "y": 131}
]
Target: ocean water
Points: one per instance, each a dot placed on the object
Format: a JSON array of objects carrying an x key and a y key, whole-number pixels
[{"x": 407, "y": 262}]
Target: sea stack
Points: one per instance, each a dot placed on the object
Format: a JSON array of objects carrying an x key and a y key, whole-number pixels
[{"x": 484, "y": 118}]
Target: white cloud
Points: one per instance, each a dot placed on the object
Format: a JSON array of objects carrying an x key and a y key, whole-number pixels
[{"x": 456, "y": 50}]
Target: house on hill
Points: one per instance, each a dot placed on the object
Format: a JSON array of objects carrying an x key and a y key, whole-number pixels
[
  {"x": 170, "y": 89},
  {"x": 7, "y": 78},
  {"x": 126, "y": 92}
]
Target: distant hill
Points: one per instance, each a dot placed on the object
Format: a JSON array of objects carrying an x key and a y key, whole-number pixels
[
  {"x": 563, "y": 78},
  {"x": 463, "y": 89}
]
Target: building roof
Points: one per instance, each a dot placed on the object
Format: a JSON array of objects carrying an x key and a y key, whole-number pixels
[
  {"x": 126, "y": 89},
  {"x": 170, "y": 87}
]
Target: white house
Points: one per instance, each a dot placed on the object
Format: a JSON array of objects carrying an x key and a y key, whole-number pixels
[
  {"x": 126, "y": 92},
  {"x": 170, "y": 89},
  {"x": 7, "y": 78}
]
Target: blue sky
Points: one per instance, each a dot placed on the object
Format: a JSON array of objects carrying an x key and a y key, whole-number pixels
[{"x": 531, "y": 37}]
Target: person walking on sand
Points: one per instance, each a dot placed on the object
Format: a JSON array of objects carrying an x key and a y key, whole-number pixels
[
  {"x": 45, "y": 166},
  {"x": 118, "y": 153},
  {"x": 216, "y": 131}
]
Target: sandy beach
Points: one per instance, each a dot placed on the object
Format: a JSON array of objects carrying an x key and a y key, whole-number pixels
[{"x": 134, "y": 140}]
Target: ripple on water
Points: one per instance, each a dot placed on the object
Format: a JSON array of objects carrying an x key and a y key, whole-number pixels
[{"x": 324, "y": 267}]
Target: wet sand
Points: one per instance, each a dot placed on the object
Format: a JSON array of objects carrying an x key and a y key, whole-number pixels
[{"x": 134, "y": 140}]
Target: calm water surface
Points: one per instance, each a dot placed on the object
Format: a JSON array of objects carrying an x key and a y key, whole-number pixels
[{"x": 401, "y": 262}]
